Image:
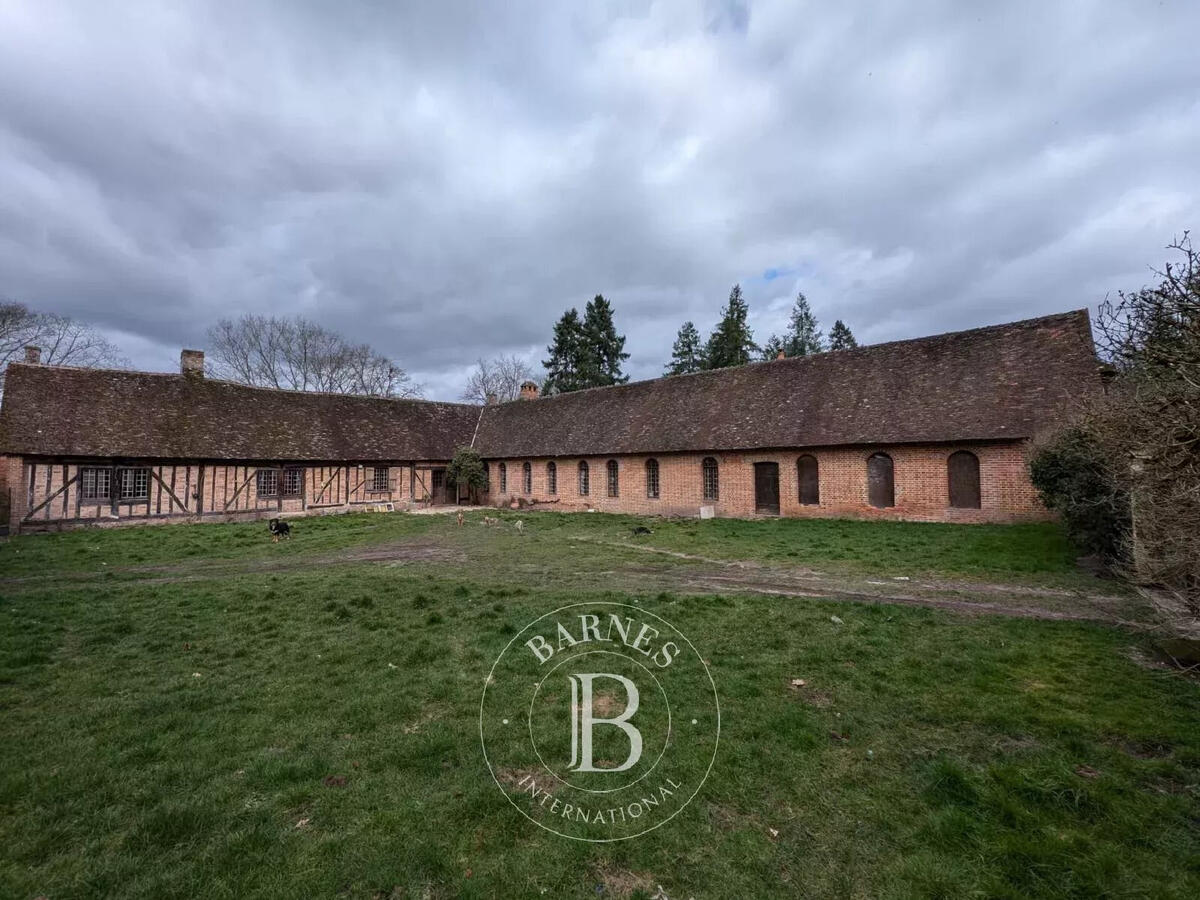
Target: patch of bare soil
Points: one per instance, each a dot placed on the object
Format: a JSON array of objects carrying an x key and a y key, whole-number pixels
[
  {"x": 615, "y": 882},
  {"x": 512, "y": 778},
  {"x": 394, "y": 553},
  {"x": 959, "y": 595},
  {"x": 606, "y": 704}
]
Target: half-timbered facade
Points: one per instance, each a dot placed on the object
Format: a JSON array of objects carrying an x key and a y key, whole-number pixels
[
  {"x": 105, "y": 447},
  {"x": 934, "y": 428}
]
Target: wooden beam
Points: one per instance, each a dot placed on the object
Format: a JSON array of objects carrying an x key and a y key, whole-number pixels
[
  {"x": 162, "y": 486},
  {"x": 45, "y": 503},
  {"x": 241, "y": 487}
]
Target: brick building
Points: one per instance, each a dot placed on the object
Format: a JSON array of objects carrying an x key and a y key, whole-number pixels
[{"x": 934, "y": 429}]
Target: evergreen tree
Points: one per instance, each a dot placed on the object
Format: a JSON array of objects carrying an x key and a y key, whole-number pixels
[
  {"x": 732, "y": 343},
  {"x": 603, "y": 349},
  {"x": 563, "y": 368},
  {"x": 687, "y": 355},
  {"x": 803, "y": 337},
  {"x": 840, "y": 337},
  {"x": 773, "y": 347}
]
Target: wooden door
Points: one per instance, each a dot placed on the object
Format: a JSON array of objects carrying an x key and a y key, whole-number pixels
[
  {"x": 963, "y": 471},
  {"x": 766, "y": 488}
]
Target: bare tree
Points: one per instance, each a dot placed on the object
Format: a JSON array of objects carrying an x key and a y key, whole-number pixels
[
  {"x": 1126, "y": 472},
  {"x": 62, "y": 340},
  {"x": 501, "y": 377},
  {"x": 1149, "y": 420},
  {"x": 299, "y": 355}
]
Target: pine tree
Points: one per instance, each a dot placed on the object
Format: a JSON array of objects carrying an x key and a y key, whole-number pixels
[
  {"x": 687, "y": 355},
  {"x": 732, "y": 343},
  {"x": 773, "y": 347},
  {"x": 563, "y": 367},
  {"x": 603, "y": 349},
  {"x": 840, "y": 337},
  {"x": 803, "y": 337}
]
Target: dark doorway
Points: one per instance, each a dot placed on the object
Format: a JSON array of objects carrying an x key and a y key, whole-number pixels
[
  {"x": 440, "y": 494},
  {"x": 766, "y": 488},
  {"x": 963, "y": 471},
  {"x": 807, "y": 475},
  {"x": 881, "y": 486}
]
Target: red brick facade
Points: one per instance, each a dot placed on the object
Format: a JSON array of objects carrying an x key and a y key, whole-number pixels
[
  {"x": 920, "y": 476},
  {"x": 184, "y": 447}
]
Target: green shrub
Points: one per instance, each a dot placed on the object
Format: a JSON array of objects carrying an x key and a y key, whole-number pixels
[{"x": 1069, "y": 471}]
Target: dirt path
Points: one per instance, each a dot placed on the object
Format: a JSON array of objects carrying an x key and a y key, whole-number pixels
[
  {"x": 701, "y": 575},
  {"x": 1025, "y": 601}
]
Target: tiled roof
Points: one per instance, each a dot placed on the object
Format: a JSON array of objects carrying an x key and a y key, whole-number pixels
[
  {"x": 1003, "y": 381},
  {"x": 54, "y": 410},
  {"x": 1000, "y": 382}
]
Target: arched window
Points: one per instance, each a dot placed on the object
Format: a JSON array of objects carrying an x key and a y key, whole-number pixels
[
  {"x": 614, "y": 479},
  {"x": 527, "y": 478},
  {"x": 551, "y": 478},
  {"x": 881, "y": 486},
  {"x": 652, "y": 479},
  {"x": 503, "y": 478},
  {"x": 808, "y": 477},
  {"x": 962, "y": 470},
  {"x": 712, "y": 482},
  {"x": 584, "y": 480}
]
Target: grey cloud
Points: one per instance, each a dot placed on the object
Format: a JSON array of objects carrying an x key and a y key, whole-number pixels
[{"x": 442, "y": 180}]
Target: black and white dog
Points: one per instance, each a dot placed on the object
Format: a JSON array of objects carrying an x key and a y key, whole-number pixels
[{"x": 279, "y": 529}]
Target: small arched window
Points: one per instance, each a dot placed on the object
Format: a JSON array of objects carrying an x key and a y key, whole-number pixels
[
  {"x": 551, "y": 478},
  {"x": 652, "y": 479},
  {"x": 527, "y": 478},
  {"x": 712, "y": 480},
  {"x": 881, "y": 486},
  {"x": 614, "y": 479},
  {"x": 503, "y": 478},
  {"x": 962, "y": 470},
  {"x": 808, "y": 478},
  {"x": 584, "y": 479}
]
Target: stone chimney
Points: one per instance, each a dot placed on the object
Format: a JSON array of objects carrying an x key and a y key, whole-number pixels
[
  {"x": 191, "y": 363},
  {"x": 492, "y": 398},
  {"x": 33, "y": 355},
  {"x": 529, "y": 391}
]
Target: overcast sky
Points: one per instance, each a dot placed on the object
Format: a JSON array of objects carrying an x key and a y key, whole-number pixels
[{"x": 444, "y": 179}]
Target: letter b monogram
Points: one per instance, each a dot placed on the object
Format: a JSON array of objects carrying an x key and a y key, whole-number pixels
[{"x": 583, "y": 720}]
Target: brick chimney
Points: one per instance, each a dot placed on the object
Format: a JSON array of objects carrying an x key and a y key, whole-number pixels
[
  {"x": 33, "y": 355},
  {"x": 779, "y": 355},
  {"x": 529, "y": 391},
  {"x": 492, "y": 398},
  {"x": 191, "y": 363}
]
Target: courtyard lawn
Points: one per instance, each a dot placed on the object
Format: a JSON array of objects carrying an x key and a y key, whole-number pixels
[
  {"x": 984, "y": 551},
  {"x": 191, "y": 711}
]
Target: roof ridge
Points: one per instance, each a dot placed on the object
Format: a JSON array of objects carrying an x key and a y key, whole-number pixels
[
  {"x": 793, "y": 360},
  {"x": 226, "y": 382}
]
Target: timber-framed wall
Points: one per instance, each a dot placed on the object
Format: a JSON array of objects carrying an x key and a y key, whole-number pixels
[{"x": 51, "y": 493}]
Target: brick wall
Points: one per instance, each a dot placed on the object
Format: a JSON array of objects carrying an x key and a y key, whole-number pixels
[{"x": 920, "y": 476}]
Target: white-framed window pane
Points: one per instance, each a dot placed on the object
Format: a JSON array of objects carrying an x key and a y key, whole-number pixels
[{"x": 380, "y": 479}]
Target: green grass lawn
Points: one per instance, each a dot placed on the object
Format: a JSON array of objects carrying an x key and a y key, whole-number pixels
[
  {"x": 1005, "y": 551},
  {"x": 170, "y": 731}
]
